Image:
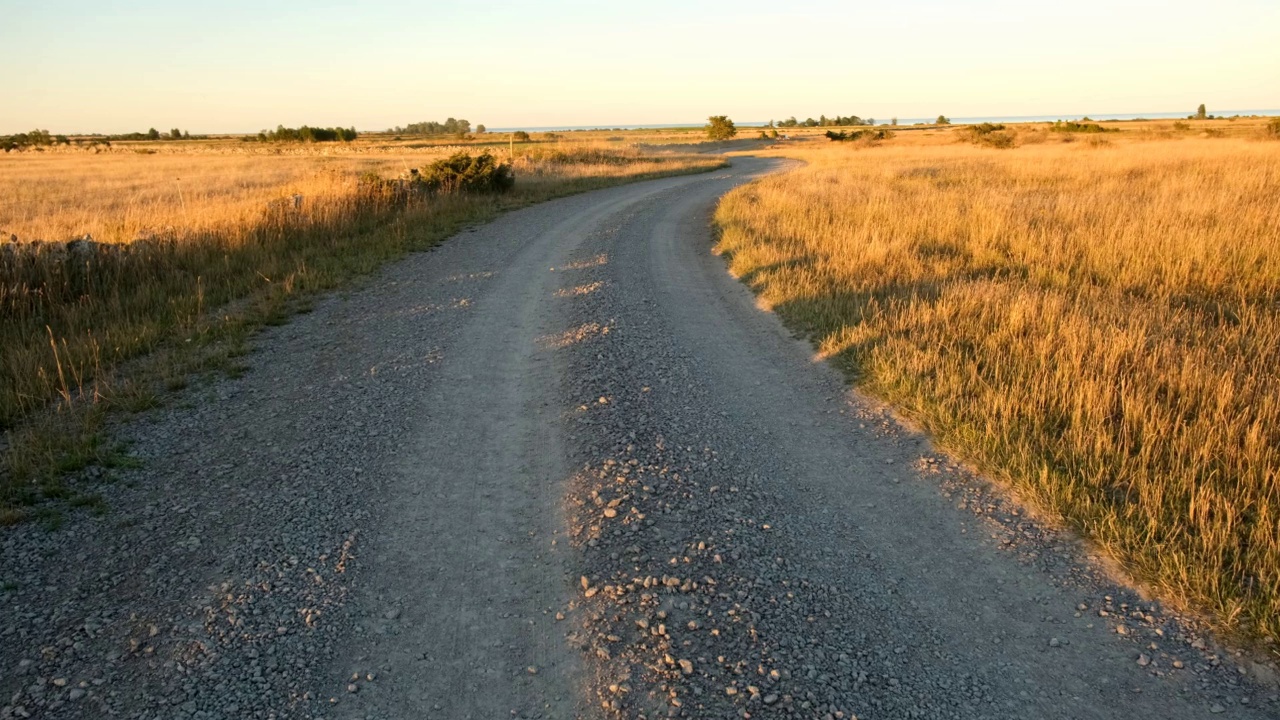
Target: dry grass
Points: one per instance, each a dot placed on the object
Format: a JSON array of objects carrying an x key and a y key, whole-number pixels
[
  {"x": 226, "y": 250},
  {"x": 1099, "y": 324}
]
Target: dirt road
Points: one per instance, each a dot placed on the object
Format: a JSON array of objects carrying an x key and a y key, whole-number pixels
[{"x": 563, "y": 467}]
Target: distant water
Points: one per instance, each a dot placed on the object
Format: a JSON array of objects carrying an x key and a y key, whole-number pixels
[{"x": 912, "y": 121}]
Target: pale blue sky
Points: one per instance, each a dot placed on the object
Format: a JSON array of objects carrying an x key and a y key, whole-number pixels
[{"x": 75, "y": 66}]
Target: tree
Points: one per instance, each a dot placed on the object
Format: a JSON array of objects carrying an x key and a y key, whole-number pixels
[
  {"x": 153, "y": 134},
  {"x": 893, "y": 122},
  {"x": 480, "y": 129},
  {"x": 452, "y": 126},
  {"x": 1201, "y": 113},
  {"x": 520, "y": 136},
  {"x": 175, "y": 134},
  {"x": 720, "y": 127},
  {"x": 942, "y": 120}
]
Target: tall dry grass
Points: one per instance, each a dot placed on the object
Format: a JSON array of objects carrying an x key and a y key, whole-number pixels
[
  {"x": 196, "y": 251},
  {"x": 1097, "y": 324}
]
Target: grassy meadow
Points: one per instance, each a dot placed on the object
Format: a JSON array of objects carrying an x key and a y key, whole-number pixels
[
  {"x": 1092, "y": 317},
  {"x": 202, "y": 243}
]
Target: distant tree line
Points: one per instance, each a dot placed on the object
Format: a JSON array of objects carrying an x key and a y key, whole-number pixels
[
  {"x": 823, "y": 121},
  {"x": 307, "y": 133},
  {"x": 152, "y": 134},
  {"x": 43, "y": 138},
  {"x": 452, "y": 126},
  {"x": 35, "y": 138}
]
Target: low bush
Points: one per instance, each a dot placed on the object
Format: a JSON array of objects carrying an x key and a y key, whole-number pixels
[
  {"x": 989, "y": 135},
  {"x": 464, "y": 173},
  {"x": 1078, "y": 127},
  {"x": 864, "y": 135},
  {"x": 1273, "y": 128}
]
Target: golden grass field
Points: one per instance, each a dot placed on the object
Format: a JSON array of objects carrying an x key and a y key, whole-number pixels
[
  {"x": 214, "y": 245},
  {"x": 1096, "y": 320}
]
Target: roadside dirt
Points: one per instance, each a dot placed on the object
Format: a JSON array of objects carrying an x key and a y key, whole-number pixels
[{"x": 562, "y": 467}]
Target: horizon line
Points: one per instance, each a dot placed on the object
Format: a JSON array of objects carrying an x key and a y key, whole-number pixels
[{"x": 1040, "y": 117}]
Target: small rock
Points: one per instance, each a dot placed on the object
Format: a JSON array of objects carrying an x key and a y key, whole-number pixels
[
  {"x": 1143, "y": 660},
  {"x": 770, "y": 699},
  {"x": 75, "y": 694},
  {"x": 1264, "y": 675},
  {"x": 392, "y": 614},
  {"x": 1217, "y": 709},
  {"x": 686, "y": 667},
  {"x": 352, "y": 687},
  {"x": 1054, "y": 642}
]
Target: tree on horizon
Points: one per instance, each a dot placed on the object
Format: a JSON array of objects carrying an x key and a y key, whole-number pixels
[{"x": 720, "y": 127}]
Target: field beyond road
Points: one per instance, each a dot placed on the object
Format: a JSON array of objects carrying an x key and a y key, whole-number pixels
[{"x": 1094, "y": 317}]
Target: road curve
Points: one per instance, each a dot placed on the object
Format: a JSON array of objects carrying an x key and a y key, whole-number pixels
[
  {"x": 817, "y": 539},
  {"x": 562, "y": 466}
]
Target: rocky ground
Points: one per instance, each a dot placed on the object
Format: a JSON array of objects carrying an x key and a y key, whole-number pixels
[{"x": 562, "y": 467}]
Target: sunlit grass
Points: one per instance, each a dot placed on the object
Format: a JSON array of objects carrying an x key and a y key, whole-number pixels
[{"x": 1097, "y": 324}]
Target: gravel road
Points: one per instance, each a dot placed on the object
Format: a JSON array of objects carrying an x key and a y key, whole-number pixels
[{"x": 559, "y": 467}]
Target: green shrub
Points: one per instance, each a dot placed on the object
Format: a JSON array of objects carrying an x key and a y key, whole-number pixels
[
  {"x": 464, "y": 173},
  {"x": 520, "y": 136},
  {"x": 985, "y": 128},
  {"x": 1078, "y": 127},
  {"x": 990, "y": 135},
  {"x": 869, "y": 136}
]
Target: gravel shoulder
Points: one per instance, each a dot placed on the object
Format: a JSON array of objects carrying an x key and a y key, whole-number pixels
[{"x": 562, "y": 467}]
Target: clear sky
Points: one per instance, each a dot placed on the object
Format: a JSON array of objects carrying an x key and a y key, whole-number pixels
[{"x": 76, "y": 66}]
